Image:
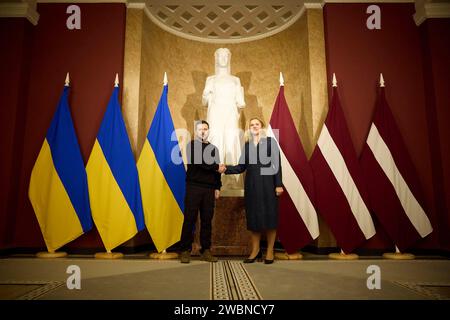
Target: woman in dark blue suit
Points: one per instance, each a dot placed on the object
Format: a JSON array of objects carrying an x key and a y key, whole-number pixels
[{"x": 260, "y": 158}]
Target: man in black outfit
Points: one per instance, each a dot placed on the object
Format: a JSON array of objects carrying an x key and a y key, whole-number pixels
[{"x": 203, "y": 184}]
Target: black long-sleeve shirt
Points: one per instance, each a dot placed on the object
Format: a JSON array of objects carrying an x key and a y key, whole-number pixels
[{"x": 203, "y": 161}]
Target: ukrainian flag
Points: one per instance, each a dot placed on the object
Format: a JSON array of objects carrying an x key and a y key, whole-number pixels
[
  {"x": 113, "y": 180},
  {"x": 58, "y": 187},
  {"x": 162, "y": 179}
]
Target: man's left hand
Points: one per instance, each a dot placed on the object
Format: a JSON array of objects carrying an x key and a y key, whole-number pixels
[{"x": 217, "y": 194}]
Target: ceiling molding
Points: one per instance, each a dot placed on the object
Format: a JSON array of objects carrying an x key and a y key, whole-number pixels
[
  {"x": 314, "y": 5},
  {"x": 224, "y": 24},
  {"x": 82, "y": 1},
  {"x": 25, "y": 9},
  {"x": 431, "y": 10},
  {"x": 368, "y": 2},
  {"x": 170, "y": 2},
  {"x": 136, "y": 5}
]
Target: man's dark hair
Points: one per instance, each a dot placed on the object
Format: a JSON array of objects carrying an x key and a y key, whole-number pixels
[{"x": 198, "y": 122}]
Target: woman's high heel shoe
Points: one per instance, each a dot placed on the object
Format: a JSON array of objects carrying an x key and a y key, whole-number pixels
[
  {"x": 269, "y": 261},
  {"x": 258, "y": 256}
]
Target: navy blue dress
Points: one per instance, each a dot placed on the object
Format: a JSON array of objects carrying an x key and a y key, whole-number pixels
[{"x": 263, "y": 174}]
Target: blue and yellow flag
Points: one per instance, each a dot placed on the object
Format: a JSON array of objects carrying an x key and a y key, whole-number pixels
[
  {"x": 113, "y": 180},
  {"x": 58, "y": 187},
  {"x": 163, "y": 179}
]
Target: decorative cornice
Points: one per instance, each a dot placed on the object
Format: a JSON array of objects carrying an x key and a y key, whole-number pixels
[
  {"x": 82, "y": 1},
  {"x": 20, "y": 10},
  {"x": 27, "y": 9},
  {"x": 431, "y": 10},
  {"x": 136, "y": 5},
  {"x": 225, "y": 1},
  {"x": 368, "y": 2},
  {"x": 314, "y": 5}
]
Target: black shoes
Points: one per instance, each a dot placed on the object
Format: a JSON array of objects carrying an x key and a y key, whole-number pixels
[
  {"x": 258, "y": 256},
  {"x": 207, "y": 256},
  {"x": 267, "y": 261},
  {"x": 185, "y": 256}
]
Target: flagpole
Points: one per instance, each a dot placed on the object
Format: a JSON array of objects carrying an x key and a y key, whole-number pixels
[
  {"x": 108, "y": 255},
  {"x": 52, "y": 253},
  {"x": 341, "y": 255},
  {"x": 164, "y": 255},
  {"x": 67, "y": 82},
  {"x": 398, "y": 255}
]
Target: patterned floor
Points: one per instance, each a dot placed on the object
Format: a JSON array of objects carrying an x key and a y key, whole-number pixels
[
  {"x": 433, "y": 290},
  {"x": 230, "y": 281},
  {"x": 27, "y": 290}
]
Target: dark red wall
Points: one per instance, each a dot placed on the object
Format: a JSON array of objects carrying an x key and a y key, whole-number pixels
[
  {"x": 92, "y": 55},
  {"x": 357, "y": 55},
  {"x": 436, "y": 60},
  {"x": 15, "y": 39},
  {"x": 414, "y": 61}
]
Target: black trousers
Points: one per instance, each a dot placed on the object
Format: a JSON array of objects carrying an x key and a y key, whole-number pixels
[{"x": 197, "y": 199}]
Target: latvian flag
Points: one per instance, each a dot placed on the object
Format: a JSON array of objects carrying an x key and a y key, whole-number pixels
[
  {"x": 394, "y": 188},
  {"x": 297, "y": 220},
  {"x": 341, "y": 194}
]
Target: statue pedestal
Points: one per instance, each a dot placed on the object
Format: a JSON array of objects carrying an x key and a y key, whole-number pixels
[{"x": 229, "y": 227}]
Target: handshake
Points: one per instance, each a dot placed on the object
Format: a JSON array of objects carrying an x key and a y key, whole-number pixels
[{"x": 222, "y": 168}]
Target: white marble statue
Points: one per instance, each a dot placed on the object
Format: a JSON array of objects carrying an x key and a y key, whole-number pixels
[{"x": 224, "y": 96}]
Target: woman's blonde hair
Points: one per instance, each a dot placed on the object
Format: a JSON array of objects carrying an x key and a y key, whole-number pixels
[{"x": 263, "y": 130}]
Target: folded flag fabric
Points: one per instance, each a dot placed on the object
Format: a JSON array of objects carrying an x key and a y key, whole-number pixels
[
  {"x": 341, "y": 193},
  {"x": 163, "y": 178},
  {"x": 394, "y": 189},
  {"x": 113, "y": 180},
  {"x": 297, "y": 219},
  {"x": 58, "y": 188}
]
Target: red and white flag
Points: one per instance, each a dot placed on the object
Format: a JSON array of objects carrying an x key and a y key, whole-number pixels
[
  {"x": 341, "y": 193},
  {"x": 297, "y": 220},
  {"x": 394, "y": 189}
]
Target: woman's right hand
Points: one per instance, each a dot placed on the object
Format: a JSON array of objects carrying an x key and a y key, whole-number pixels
[
  {"x": 222, "y": 168},
  {"x": 279, "y": 191}
]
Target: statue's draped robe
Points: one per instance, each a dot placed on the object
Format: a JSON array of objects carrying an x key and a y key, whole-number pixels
[{"x": 224, "y": 96}]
